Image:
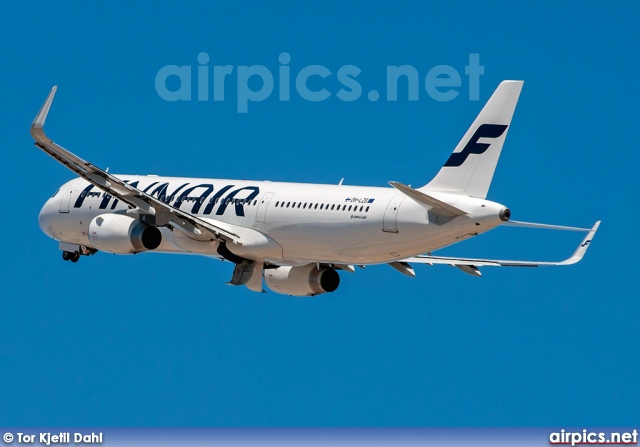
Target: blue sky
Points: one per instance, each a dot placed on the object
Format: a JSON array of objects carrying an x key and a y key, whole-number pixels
[{"x": 157, "y": 340}]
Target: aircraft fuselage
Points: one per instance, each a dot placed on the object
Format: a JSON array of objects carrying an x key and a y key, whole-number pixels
[{"x": 301, "y": 222}]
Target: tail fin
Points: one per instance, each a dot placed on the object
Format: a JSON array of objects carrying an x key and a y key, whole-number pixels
[{"x": 470, "y": 168}]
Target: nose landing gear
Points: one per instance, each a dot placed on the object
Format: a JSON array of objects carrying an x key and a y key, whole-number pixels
[{"x": 72, "y": 256}]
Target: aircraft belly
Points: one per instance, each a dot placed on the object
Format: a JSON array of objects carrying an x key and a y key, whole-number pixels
[{"x": 344, "y": 242}]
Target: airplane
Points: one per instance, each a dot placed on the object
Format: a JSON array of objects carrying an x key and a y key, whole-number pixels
[{"x": 296, "y": 236}]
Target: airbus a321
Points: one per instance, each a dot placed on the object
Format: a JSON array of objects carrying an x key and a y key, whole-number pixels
[{"x": 296, "y": 236}]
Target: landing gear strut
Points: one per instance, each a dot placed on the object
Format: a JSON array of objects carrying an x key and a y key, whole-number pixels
[{"x": 72, "y": 256}]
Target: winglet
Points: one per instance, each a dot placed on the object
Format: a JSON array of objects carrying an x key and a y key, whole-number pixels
[
  {"x": 38, "y": 122},
  {"x": 582, "y": 248}
]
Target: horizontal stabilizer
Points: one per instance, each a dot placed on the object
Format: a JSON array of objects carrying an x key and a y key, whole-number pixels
[
  {"x": 515, "y": 223},
  {"x": 431, "y": 203}
]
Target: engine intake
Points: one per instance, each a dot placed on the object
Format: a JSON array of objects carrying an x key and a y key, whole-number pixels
[
  {"x": 118, "y": 233},
  {"x": 302, "y": 280}
]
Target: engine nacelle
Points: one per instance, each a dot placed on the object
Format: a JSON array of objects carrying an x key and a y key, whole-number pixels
[
  {"x": 302, "y": 280},
  {"x": 118, "y": 233}
]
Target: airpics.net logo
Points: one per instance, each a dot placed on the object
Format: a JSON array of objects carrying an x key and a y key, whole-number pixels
[{"x": 313, "y": 83}]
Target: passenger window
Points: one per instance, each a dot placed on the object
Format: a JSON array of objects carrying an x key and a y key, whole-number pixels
[
  {"x": 315, "y": 207},
  {"x": 349, "y": 207},
  {"x": 332, "y": 207},
  {"x": 344, "y": 207},
  {"x": 367, "y": 210},
  {"x": 361, "y": 208},
  {"x": 288, "y": 203},
  {"x": 299, "y": 204}
]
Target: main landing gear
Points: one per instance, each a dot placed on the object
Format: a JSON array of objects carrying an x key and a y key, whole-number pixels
[{"x": 72, "y": 256}]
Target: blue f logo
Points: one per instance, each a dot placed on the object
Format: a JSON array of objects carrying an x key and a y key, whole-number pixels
[{"x": 473, "y": 147}]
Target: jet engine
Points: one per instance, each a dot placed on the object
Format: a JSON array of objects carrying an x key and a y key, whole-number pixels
[
  {"x": 118, "y": 233},
  {"x": 302, "y": 280}
]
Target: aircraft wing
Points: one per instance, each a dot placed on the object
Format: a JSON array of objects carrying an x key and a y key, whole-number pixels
[
  {"x": 469, "y": 265},
  {"x": 140, "y": 202}
]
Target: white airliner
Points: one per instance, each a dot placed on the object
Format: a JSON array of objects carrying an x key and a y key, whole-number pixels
[{"x": 295, "y": 235}]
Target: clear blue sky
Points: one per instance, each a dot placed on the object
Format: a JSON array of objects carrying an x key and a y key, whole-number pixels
[{"x": 159, "y": 340}]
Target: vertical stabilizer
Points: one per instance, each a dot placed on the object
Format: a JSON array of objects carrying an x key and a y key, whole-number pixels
[{"x": 469, "y": 170}]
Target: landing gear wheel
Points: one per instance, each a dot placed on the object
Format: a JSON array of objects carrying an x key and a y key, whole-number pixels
[{"x": 70, "y": 256}]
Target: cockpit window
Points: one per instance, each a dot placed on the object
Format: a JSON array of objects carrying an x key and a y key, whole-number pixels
[{"x": 55, "y": 193}]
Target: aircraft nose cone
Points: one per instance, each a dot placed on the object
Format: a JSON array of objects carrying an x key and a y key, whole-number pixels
[{"x": 45, "y": 218}]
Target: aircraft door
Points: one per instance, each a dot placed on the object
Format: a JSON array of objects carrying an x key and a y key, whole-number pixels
[
  {"x": 262, "y": 207},
  {"x": 391, "y": 214},
  {"x": 65, "y": 198}
]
